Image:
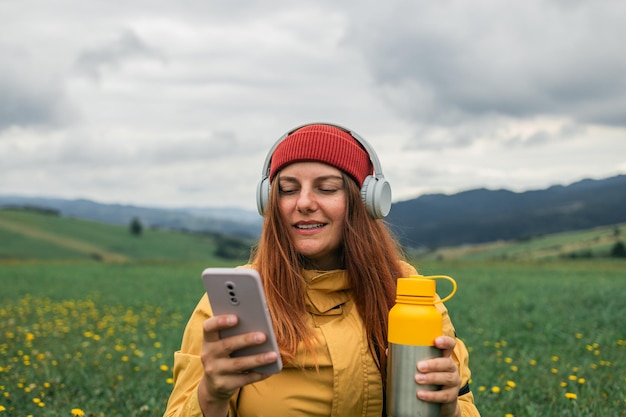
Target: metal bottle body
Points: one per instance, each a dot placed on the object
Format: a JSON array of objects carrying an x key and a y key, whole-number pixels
[
  {"x": 414, "y": 324},
  {"x": 401, "y": 385}
]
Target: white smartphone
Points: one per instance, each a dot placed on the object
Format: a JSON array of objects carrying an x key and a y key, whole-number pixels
[{"x": 239, "y": 291}]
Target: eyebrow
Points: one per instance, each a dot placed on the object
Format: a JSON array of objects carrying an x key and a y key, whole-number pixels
[{"x": 322, "y": 178}]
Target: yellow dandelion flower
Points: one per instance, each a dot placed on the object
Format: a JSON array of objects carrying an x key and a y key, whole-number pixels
[
  {"x": 581, "y": 380},
  {"x": 514, "y": 368},
  {"x": 572, "y": 377},
  {"x": 509, "y": 415},
  {"x": 533, "y": 362},
  {"x": 2, "y": 408},
  {"x": 169, "y": 381},
  {"x": 77, "y": 412},
  {"x": 482, "y": 388},
  {"x": 495, "y": 390},
  {"x": 508, "y": 360},
  {"x": 579, "y": 336},
  {"x": 563, "y": 384},
  {"x": 554, "y": 371},
  {"x": 164, "y": 368},
  {"x": 571, "y": 395},
  {"x": 555, "y": 358},
  {"x": 510, "y": 384}
]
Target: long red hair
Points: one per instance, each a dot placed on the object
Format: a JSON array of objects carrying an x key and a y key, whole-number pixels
[{"x": 371, "y": 258}]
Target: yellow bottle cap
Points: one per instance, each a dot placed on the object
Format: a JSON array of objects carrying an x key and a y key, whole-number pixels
[{"x": 416, "y": 287}]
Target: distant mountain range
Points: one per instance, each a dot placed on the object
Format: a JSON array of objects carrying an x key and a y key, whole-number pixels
[
  {"x": 228, "y": 221},
  {"x": 429, "y": 221},
  {"x": 482, "y": 215}
]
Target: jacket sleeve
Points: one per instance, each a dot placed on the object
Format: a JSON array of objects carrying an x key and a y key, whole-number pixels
[
  {"x": 188, "y": 368},
  {"x": 183, "y": 401},
  {"x": 460, "y": 356}
]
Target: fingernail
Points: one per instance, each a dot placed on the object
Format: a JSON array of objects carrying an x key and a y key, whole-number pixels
[
  {"x": 422, "y": 366},
  {"x": 420, "y": 378}
]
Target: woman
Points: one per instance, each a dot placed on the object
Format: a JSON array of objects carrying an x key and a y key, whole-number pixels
[{"x": 328, "y": 266}]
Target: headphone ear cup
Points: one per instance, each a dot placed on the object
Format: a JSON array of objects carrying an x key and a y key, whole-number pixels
[
  {"x": 376, "y": 195},
  {"x": 262, "y": 194}
]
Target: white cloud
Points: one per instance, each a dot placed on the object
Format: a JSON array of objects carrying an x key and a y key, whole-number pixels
[{"x": 176, "y": 103}]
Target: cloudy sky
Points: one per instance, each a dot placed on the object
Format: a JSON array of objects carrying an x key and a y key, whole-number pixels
[{"x": 175, "y": 103}]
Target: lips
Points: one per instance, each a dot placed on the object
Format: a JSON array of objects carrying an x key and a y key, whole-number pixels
[{"x": 309, "y": 226}]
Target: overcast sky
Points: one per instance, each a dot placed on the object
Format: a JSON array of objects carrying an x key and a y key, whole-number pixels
[{"x": 175, "y": 103}]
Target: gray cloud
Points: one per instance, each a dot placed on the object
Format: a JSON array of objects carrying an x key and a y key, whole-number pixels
[
  {"x": 446, "y": 63},
  {"x": 146, "y": 100},
  {"x": 127, "y": 46},
  {"x": 30, "y": 95}
]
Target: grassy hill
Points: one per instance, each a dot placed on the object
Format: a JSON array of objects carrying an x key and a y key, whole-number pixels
[
  {"x": 27, "y": 235},
  {"x": 592, "y": 243}
]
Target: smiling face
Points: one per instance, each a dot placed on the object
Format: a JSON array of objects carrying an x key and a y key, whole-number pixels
[{"x": 312, "y": 202}]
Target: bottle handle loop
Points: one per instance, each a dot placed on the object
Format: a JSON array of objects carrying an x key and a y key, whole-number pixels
[{"x": 447, "y": 278}]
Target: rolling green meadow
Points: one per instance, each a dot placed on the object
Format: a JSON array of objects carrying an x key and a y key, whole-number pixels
[{"x": 90, "y": 316}]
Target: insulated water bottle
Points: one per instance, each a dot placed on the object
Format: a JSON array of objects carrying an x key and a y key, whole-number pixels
[{"x": 414, "y": 324}]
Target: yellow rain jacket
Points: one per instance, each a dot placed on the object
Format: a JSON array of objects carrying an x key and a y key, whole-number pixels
[{"x": 347, "y": 384}]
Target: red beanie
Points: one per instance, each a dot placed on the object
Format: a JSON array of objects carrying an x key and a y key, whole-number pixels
[{"x": 323, "y": 143}]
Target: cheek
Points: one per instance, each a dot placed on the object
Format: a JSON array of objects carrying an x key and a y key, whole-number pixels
[
  {"x": 338, "y": 209},
  {"x": 284, "y": 206}
]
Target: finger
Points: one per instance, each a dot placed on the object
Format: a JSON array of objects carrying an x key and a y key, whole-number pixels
[
  {"x": 237, "y": 342},
  {"x": 442, "y": 396},
  {"x": 446, "y": 344},
  {"x": 442, "y": 364},
  {"x": 213, "y": 325},
  {"x": 443, "y": 379},
  {"x": 243, "y": 364}
]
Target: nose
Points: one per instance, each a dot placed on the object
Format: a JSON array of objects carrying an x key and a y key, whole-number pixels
[{"x": 306, "y": 202}]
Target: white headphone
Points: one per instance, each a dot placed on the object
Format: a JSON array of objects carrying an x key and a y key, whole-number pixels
[{"x": 375, "y": 191}]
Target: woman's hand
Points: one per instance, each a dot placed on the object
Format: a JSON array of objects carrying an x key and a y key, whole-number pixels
[
  {"x": 223, "y": 375},
  {"x": 444, "y": 372}
]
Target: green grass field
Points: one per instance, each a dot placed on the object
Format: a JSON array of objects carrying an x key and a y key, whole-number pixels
[{"x": 79, "y": 335}]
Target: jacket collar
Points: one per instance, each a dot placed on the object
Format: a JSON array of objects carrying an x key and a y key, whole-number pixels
[{"x": 326, "y": 290}]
